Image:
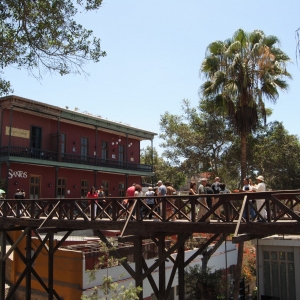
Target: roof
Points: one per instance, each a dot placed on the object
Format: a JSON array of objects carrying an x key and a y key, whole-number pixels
[{"x": 73, "y": 116}]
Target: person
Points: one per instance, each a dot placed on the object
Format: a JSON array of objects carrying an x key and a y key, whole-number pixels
[
  {"x": 209, "y": 191},
  {"x": 192, "y": 192},
  {"x": 169, "y": 208},
  {"x": 216, "y": 186},
  {"x": 92, "y": 194},
  {"x": 130, "y": 191},
  {"x": 193, "y": 188},
  {"x": 162, "y": 191},
  {"x": 101, "y": 200},
  {"x": 24, "y": 194},
  {"x": 137, "y": 193},
  {"x": 216, "y": 189},
  {"x": 223, "y": 190},
  {"x": 261, "y": 187},
  {"x": 19, "y": 195},
  {"x": 202, "y": 210},
  {"x": 248, "y": 188},
  {"x": 150, "y": 201},
  {"x": 127, "y": 203}
]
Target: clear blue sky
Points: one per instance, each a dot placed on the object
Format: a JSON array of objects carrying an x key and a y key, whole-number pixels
[{"x": 154, "y": 52}]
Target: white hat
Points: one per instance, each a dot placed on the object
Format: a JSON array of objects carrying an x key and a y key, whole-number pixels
[
  {"x": 203, "y": 179},
  {"x": 159, "y": 181},
  {"x": 261, "y": 178}
]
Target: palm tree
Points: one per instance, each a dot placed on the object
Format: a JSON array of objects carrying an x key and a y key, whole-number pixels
[{"x": 241, "y": 72}]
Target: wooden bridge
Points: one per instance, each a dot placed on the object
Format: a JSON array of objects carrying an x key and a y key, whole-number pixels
[{"x": 49, "y": 216}]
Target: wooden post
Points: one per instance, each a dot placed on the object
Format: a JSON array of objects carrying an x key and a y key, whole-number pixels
[
  {"x": 181, "y": 271},
  {"x": 138, "y": 249},
  {"x": 162, "y": 268},
  {"x": 2, "y": 263},
  {"x": 50, "y": 266},
  {"x": 28, "y": 258}
]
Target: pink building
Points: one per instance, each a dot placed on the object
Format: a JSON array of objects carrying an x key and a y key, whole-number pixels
[{"x": 54, "y": 152}]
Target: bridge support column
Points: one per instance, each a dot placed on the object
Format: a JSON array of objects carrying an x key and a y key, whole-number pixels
[
  {"x": 50, "y": 266},
  {"x": 2, "y": 263},
  {"x": 162, "y": 267},
  {"x": 28, "y": 260},
  {"x": 181, "y": 271},
  {"x": 138, "y": 264}
]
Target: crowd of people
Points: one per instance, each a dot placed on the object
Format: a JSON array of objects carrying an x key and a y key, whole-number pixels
[
  {"x": 209, "y": 197},
  {"x": 212, "y": 191}
]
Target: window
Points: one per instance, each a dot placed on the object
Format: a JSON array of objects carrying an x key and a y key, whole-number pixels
[
  {"x": 84, "y": 188},
  {"x": 121, "y": 189},
  {"x": 121, "y": 153},
  {"x": 279, "y": 274},
  {"x": 61, "y": 187},
  {"x": 84, "y": 148},
  {"x": 104, "y": 150},
  {"x": 105, "y": 187},
  {"x": 35, "y": 186},
  {"x": 36, "y": 137},
  {"x": 63, "y": 144}
]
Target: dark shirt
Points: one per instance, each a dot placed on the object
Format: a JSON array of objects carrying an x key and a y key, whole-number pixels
[
  {"x": 209, "y": 191},
  {"x": 216, "y": 187},
  {"x": 19, "y": 195}
]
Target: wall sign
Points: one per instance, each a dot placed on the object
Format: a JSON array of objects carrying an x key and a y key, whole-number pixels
[
  {"x": 22, "y": 133},
  {"x": 20, "y": 174}
]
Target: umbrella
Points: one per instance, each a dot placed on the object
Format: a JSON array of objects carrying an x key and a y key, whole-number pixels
[{"x": 2, "y": 192}]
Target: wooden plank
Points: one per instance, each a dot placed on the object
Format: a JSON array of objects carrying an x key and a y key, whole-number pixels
[{"x": 246, "y": 237}]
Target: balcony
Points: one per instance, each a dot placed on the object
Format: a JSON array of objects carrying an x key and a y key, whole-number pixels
[{"x": 40, "y": 154}]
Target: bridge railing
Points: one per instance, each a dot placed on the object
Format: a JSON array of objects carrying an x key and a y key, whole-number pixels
[{"x": 276, "y": 205}]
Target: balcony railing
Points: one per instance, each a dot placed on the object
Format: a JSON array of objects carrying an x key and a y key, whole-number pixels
[{"x": 72, "y": 158}]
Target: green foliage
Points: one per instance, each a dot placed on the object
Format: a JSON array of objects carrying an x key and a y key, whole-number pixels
[
  {"x": 241, "y": 72},
  {"x": 110, "y": 289},
  {"x": 2, "y": 183},
  {"x": 195, "y": 140},
  {"x": 165, "y": 170},
  {"x": 276, "y": 155},
  {"x": 44, "y": 36},
  {"x": 202, "y": 285}
]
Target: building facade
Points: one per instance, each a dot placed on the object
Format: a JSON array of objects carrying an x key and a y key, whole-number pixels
[
  {"x": 278, "y": 267},
  {"x": 54, "y": 152}
]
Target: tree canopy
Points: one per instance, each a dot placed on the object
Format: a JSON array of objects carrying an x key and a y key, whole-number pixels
[
  {"x": 43, "y": 36},
  {"x": 241, "y": 73},
  {"x": 201, "y": 140}
]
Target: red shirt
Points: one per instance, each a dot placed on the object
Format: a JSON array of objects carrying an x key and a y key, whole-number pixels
[
  {"x": 89, "y": 195},
  {"x": 130, "y": 191}
]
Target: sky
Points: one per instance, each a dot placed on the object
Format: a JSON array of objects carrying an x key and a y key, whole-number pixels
[{"x": 154, "y": 52}]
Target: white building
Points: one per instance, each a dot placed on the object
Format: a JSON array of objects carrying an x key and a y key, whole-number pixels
[{"x": 278, "y": 267}]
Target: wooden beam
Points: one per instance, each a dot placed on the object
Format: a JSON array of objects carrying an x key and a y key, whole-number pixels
[{"x": 246, "y": 237}]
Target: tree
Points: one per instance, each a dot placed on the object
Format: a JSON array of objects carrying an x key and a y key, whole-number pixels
[
  {"x": 276, "y": 155},
  {"x": 164, "y": 170},
  {"x": 202, "y": 284},
  {"x": 241, "y": 72},
  {"x": 44, "y": 36},
  {"x": 110, "y": 289},
  {"x": 196, "y": 139}
]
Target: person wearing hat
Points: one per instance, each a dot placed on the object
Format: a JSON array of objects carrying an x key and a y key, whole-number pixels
[{"x": 260, "y": 187}]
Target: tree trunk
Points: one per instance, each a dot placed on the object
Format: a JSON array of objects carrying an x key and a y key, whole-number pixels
[
  {"x": 237, "y": 278},
  {"x": 243, "y": 156}
]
